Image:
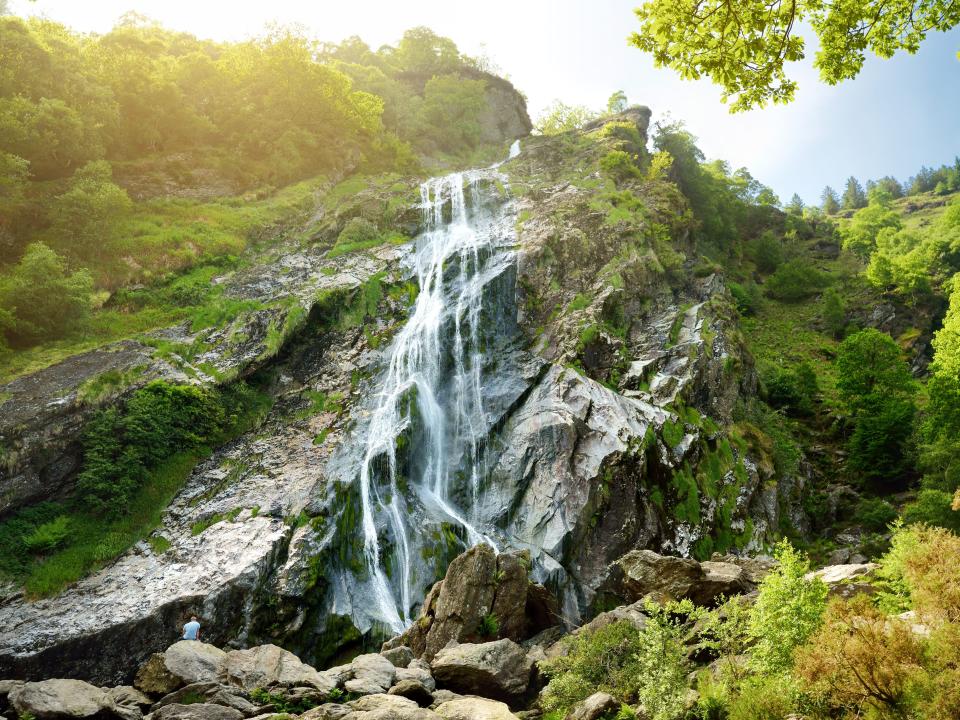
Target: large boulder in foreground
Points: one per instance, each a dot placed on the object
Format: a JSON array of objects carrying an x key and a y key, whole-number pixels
[
  {"x": 266, "y": 666},
  {"x": 500, "y": 670},
  {"x": 474, "y": 708},
  {"x": 183, "y": 663},
  {"x": 597, "y": 706},
  {"x": 67, "y": 699},
  {"x": 482, "y": 592},
  {"x": 195, "y": 711}
]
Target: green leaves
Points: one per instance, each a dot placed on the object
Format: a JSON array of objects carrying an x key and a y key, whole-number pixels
[{"x": 744, "y": 45}]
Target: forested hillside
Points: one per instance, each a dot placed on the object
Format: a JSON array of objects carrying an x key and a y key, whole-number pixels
[{"x": 139, "y": 155}]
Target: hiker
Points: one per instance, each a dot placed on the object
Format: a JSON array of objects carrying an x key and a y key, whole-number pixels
[{"x": 191, "y": 631}]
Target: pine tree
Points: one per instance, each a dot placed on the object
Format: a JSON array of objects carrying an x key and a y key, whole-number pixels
[
  {"x": 830, "y": 203},
  {"x": 795, "y": 206},
  {"x": 854, "y": 196}
]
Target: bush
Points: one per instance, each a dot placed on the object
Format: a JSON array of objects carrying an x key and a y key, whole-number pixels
[
  {"x": 766, "y": 252},
  {"x": 764, "y": 698},
  {"x": 789, "y": 608},
  {"x": 619, "y": 165},
  {"x": 792, "y": 389},
  {"x": 40, "y": 300},
  {"x": 357, "y": 233},
  {"x": 875, "y": 514},
  {"x": 48, "y": 536},
  {"x": 834, "y": 313},
  {"x": 933, "y": 507},
  {"x": 662, "y": 663},
  {"x": 881, "y": 446},
  {"x": 158, "y": 420},
  {"x": 795, "y": 281},
  {"x": 604, "y": 660},
  {"x": 747, "y": 297}
]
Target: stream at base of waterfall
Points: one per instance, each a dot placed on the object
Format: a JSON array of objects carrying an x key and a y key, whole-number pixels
[{"x": 428, "y": 417}]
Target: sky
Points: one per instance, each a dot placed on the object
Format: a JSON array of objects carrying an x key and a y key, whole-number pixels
[{"x": 895, "y": 116}]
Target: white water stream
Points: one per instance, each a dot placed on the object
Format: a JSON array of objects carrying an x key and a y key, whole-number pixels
[{"x": 434, "y": 379}]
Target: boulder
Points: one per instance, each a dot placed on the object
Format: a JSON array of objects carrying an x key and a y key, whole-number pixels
[
  {"x": 129, "y": 696},
  {"x": 212, "y": 693},
  {"x": 195, "y": 711},
  {"x": 387, "y": 707},
  {"x": 6, "y": 688},
  {"x": 266, "y": 666},
  {"x": 847, "y": 580},
  {"x": 400, "y": 656},
  {"x": 56, "y": 699},
  {"x": 183, "y": 663},
  {"x": 719, "y": 578},
  {"x": 416, "y": 674},
  {"x": 413, "y": 690},
  {"x": 370, "y": 674},
  {"x": 474, "y": 708},
  {"x": 641, "y": 572},
  {"x": 480, "y": 584},
  {"x": 499, "y": 669},
  {"x": 328, "y": 711},
  {"x": 594, "y": 707}
]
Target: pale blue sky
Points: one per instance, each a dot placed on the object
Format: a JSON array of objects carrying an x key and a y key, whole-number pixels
[{"x": 897, "y": 115}]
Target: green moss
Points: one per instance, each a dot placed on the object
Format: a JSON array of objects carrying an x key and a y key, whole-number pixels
[
  {"x": 687, "y": 507},
  {"x": 672, "y": 433},
  {"x": 159, "y": 544}
]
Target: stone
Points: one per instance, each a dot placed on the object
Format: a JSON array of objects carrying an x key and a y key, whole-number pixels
[
  {"x": 474, "y": 708},
  {"x": 847, "y": 581},
  {"x": 594, "y": 707},
  {"x": 417, "y": 674},
  {"x": 380, "y": 706},
  {"x": 327, "y": 711},
  {"x": 640, "y": 572},
  {"x": 195, "y": 711},
  {"x": 413, "y": 690},
  {"x": 62, "y": 699},
  {"x": 187, "y": 692},
  {"x": 191, "y": 661},
  {"x": 154, "y": 678},
  {"x": 442, "y": 696},
  {"x": 719, "y": 578},
  {"x": 129, "y": 695},
  {"x": 371, "y": 674},
  {"x": 499, "y": 669},
  {"x": 400, "y": 656},
  {"x": 266, "y": 666}
]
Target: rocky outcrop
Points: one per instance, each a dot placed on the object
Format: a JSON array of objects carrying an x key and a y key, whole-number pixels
[
  {"x": 594, "y": 707},
  {"x": 482, "y": 595},
  {"x": 268, "y": 666},
  {"x": 472, "y": 708}
]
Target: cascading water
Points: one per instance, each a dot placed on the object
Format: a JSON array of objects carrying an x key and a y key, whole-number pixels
[{"x": 433, "y": 386}]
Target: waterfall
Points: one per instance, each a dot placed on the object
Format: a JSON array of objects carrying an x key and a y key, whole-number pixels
[{"x": 433, "y": 384}]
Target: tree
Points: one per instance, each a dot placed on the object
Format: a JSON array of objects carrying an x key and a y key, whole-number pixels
[
  {"x": 743, "y": 46},
  {"x": 860, "y": 235},
  {"x": 421, "y": 50},
  {"x": 42, "y": 300},
  {"x": 834, "y": 313},
  {"x": 854, "y": 196},
  {"x": 85, "y": 216},
  {"x": 451, "y": 107},
  {"x": 829, "y": 201},
  {"x": 558, "y": 117},
  {"x": 795, "y": 206},
  {"x": 789, "y": 609},
  {"x": 617, "y": 102},
  {"x": 869, "y": 363}
]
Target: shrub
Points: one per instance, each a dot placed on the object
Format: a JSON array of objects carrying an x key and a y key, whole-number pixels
[
  {"x": 48, "y": 536},
  {"x": 158, "y": 420},
  {"x": 747, "y": 297},
  {"x": 662, "y": 663},
  {"x": 619, "y": 165},
  {"x": 41, "y": 301},
  {"x": 603, "y": 660},
  {"x": 764, "y": 698},
  {"x": 834, "y": 313},
  {"x": 766, "y": 252},
  {"x": 792, "y": 389},
  {"x": 795, "y": 281},
  {"x": 789, "y": 608},
  {"x": 933, "y": 507},
  {"x": 875, "y": 514},
  {"x": 881, "y": 446},
  {"x": 860, "y": 657}
]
